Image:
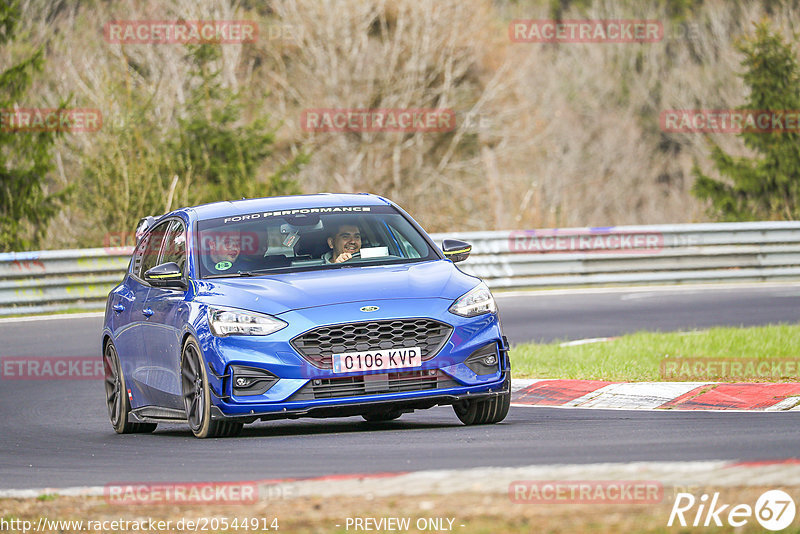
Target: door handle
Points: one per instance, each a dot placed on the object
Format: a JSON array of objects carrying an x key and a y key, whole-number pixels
[
  {"x": 147, "y": 312},
  {"x": 118, "y": 308}
]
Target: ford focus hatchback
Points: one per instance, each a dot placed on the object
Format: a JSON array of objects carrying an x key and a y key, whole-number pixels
[{"x": 301, "y": 306}]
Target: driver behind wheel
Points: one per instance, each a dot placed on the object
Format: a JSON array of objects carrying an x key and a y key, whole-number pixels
[{"x": 345, "y": 243}]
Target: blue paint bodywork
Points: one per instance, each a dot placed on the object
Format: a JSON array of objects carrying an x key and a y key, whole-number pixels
[{"x": 150, "y": 347}]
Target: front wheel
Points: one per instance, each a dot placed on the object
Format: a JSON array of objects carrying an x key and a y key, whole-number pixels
[
  {"x": 117, "y": 401},
  {"x": 197, "y": 397},
  {"x": 485, "y": 412}
]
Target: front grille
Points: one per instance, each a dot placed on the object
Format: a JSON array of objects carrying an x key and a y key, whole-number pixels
[
  {"x": 318, "y": 345},
  {"x": 353, "y": 386}
]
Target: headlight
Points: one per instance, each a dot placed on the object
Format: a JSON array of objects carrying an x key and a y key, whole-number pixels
[
  {"x": 475, "y": 302},
  {"x": 228, "y": 321}
]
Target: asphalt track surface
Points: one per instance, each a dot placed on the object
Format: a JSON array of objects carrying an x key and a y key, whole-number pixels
[{"x": 57, "y": 434}]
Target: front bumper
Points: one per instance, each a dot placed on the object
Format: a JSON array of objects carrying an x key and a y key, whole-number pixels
[
  {"x": 357, "y": 406},
  {"x": 276, "y": 355}
]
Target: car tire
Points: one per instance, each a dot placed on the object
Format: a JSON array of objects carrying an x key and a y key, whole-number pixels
[
  {"x": 117, "y": 402},
  {"x": 485, "y": 412},
  {"x": 197, "y": 396},
  {"x": 379, "y": 417}
]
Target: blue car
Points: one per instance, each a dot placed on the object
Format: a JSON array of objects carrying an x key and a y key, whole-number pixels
[{"x": 300, "y": 306}]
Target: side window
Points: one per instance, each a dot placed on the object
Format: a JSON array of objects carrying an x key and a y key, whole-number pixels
[
  {"x": 175, "y": 245},
  {"x": 153, "y": 246},
  {"x": 138, "y": 254},
  {"x": 407, "y": 250}
]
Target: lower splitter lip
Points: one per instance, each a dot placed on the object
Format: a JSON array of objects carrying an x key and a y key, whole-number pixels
[{"x": 347, "y": 406}]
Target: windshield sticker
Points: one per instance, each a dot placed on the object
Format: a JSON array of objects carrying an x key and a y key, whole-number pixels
[
  {"x": 304, "y": 211},
  {"x": 223, "y": 266}
]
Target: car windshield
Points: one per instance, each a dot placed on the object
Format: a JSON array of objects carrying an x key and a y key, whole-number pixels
[{"x": 307, "y": 239}]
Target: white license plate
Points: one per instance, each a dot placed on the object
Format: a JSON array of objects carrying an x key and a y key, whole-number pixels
[{"x": 371, "y": 360}]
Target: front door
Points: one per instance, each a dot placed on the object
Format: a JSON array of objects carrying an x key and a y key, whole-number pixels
[{"x": 168, "y": 312}]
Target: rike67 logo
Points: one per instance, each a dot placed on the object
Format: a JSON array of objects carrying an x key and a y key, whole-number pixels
[{"x": 774, "y": 510}]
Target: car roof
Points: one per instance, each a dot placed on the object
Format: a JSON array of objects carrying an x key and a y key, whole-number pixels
[{"x": 252, "y": 205}]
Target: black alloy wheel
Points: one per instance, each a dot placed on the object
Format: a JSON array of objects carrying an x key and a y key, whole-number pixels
[
  {"x": 197, "y": 397},
  {"x": 117, "y": 402}
]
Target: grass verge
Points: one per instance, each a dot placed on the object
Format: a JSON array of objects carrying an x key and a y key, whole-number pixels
[{"x": 638, "y": 357}]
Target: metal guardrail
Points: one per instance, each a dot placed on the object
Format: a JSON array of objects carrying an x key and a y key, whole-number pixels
[
  {"x": 57, "y": 280},
  {"x": 635, "y": 254}
]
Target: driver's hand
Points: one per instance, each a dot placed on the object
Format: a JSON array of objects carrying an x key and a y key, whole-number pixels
[{"x": 344, "y": 256}]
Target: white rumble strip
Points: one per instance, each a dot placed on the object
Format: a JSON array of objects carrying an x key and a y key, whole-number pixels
[{"x": 634, "y": 395}]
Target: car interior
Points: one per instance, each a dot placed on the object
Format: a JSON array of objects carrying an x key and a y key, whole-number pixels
[{"x": 303, "y": 241}]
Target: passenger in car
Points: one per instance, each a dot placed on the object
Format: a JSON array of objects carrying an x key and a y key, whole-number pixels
[{"x": 345, "y": 243}]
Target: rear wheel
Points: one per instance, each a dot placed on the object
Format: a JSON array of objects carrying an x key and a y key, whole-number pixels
[
  {"x": 117, "y": 395},
  {"x": 197, "y": 397},
  {"x": 485, "y": 412}
]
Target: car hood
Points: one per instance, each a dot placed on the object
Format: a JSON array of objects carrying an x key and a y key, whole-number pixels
[{"x": 279, "y": 293}]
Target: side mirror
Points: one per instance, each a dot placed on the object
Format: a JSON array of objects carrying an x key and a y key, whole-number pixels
[
  {"x": 165, "y": 275},
  {"x": 455, "y": 250}
]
